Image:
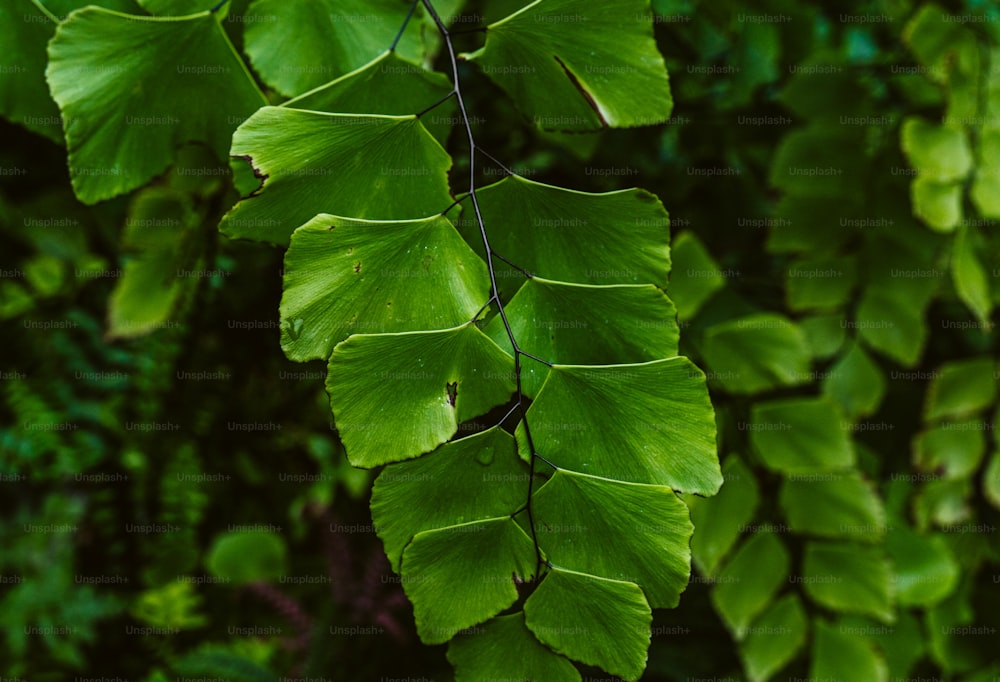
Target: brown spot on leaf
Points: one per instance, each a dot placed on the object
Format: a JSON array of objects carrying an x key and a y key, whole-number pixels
[{"x": 256, "y": 173}]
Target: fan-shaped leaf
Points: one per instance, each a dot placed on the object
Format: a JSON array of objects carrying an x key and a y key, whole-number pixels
[
  {"x": 310, "y": 162},
  {"x": 757, "y": 352},
  {"x": 577, "y": 324},
  {"x": 346, "y": 276},
  {"x": 749, "y": 580},
  {"x": 132, "y": 89},
  {"x": 719, "y": 520},
  {"x": 592, "y": 620},
  {"x": 645, "y": 423},
  {"x": 486, "y": 653},
  {"x": 560, "y": 234},
  {"x": 579, "y": 65},
  {"x": 849, "y": 578},
  {"x": 800, "y": 435},
  {"x": 387, "y": 85},
  {"x": 648, "y": 526},
  {"x": 482, "y": 474},
  {"x": 438, "y": 379},
  {"x": 296, "y": 45},
  {"x": 438, "y": 564}
]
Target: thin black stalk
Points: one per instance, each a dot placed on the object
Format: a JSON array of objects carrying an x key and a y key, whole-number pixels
[
  {"x": 495, "y": 289},
  {"x": 406, "y": 22}
]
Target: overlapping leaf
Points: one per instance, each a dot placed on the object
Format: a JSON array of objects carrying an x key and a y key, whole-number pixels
[
  {"x": 617, "y": 617},
  {"x": 387, "y": 85},
  {"x": 564, "y": 235},
  {"x": 643, "y": 423},
  {"x": 132, "y": 89},
  {"x": 576, "y": 65},
  {"x": 647, "y": 524},
  {"x": 437, "y": 565},
  {"x": 489, "y": 649},
  {"x": 484, "y": 478},
  {"x": 346, "y": 276},
  {"x": 719, "y": 520},
  {"x": 757, "y": 352},
  {"x": 310, "y": 162},
  {"x": 297, "y": 45},
  {"x": 849, "y": 578},
  {"x": 437, "y": 379},
  {"x": 799, "y": 435},
  {"x": 576, "y": 324},
  {"x": 774, "y": 639},
  {"x": 838, "y": 505}
]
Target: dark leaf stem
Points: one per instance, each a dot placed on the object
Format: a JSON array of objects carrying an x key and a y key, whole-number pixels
[{"x": 494, "y": 288}]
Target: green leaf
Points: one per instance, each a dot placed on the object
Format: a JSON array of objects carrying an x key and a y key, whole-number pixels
[
  {"x": 644, "y": 423},
  {"x": 482, "y": 473},
  {"x": 924, "y": 570},
  {"x": 388, "y": 85},
  {"x": 944, "y": 502},
  {"x": 177, "y": 7},
  {"x": 840, "y": 656},
  {"x": 849, "y": 578},
  {"x": 985, "y": 192},
  {"x": 620, "y": 531},
  {"x": 800, "y": 435},
  {"x": 953, "y": 449},
  {"x": 774, "y": 639},
  {"x": 825, "y": 334},
  {"x": 820, "y": 161},
  {"x": 564, "y": 235},
  {"x": 946, "y": 623},
  {"x": 961, "y": 388},
  {"x": 600, "y": 622},
  {"x": 577, "y": 324},
  {"x": 970, "y": 278},
  {"x": 939, "y": 153},
  {"x": 818, "y": 93},
  {"x": 577, "y": 65},
  {"x": 834, "y": 505},
  {"x": 212, "y": 661},
  {"x": 902, "y": 645},
  {"x": 891, "y": 325},
  {"x": 719, "y": 520},
  {"x": 756, "y": 353},
  {"x": 812, "y": 224},
  {"x": 311, "y": 162},
  {"x": 991, "y": 480},
  {"x": 486, "y": 654},
  {"x": 820, "y": 283},
  {"x": 932, "y": 35},
  {"x": 438, "y": 379},
  {"x": 24, "y": 97},
  {"x": 939, "y": 204},
  {"x": 462, "y": 575},
  {"x": 856, "y": 383},
  {"x": 344, "y": 276},
  {"x": 297, "y": 45},
  {"x": 695, "y": 277},
  {"x": 132, "y": 89},
  {"x": 247, "y": 557},
  {"x": 159, "y": 225},
  {"x": 749, "y": 580}
]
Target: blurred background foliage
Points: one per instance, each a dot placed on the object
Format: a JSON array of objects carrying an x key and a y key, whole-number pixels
[{"x": 177, "y": 504}]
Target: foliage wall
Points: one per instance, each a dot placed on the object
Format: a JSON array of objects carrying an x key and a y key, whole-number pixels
[{"x": 179, "y": 499}]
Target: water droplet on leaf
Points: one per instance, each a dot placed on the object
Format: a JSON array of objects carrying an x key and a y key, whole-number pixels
[
  {"x": 485, "y": 456},
  {"x": 294, "y": 328}
]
